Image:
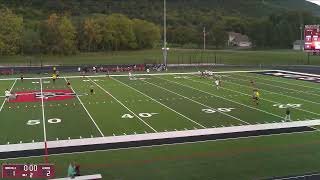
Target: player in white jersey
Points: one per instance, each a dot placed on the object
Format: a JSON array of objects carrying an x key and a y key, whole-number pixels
[
  {"x": 210, "y": 74},
  {"x": 217, "y": 83},
  {"x": 9, "y": 95},
  {"x": 130, "y": 75}
]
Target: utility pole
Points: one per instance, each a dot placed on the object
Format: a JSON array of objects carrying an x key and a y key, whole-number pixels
[
  {"x": 165, "y": 33},
  {"x": 301, "y": 37},
  {"x": 204, "y": 38}
]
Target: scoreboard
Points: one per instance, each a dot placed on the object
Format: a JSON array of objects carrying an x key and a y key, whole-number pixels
[
  {"x": 28, "y": 171},
  {"x": 312, "y": 38}
]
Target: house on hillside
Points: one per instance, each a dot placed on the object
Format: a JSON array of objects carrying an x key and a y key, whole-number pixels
[
  {"x": 296, "y": 45},
  {"x": 238, "y": 40}
]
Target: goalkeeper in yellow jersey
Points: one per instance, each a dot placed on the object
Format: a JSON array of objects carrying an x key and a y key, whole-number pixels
[{"x": 256, "y": 96}]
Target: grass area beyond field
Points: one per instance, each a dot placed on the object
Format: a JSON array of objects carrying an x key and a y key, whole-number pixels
[{"x": 267, "y": 57}]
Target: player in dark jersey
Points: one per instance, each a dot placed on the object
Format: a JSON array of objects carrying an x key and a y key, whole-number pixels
[
  {"x": 253, "y": 84},
  {"x": 68, "y": 83},
  {"x": 202, "y": 75},
  {"x": 91, "y": 89},
  {"x": 21, "y": 77},
  {"x": 287, "y": 117}
]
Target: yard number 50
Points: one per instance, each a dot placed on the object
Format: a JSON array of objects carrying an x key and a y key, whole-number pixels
[{"x": 51, "y": 121}]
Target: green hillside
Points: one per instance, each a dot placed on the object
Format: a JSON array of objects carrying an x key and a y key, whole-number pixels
[
  {"x": 152, "y": 9},
  {"x": 297, "y": 5}
]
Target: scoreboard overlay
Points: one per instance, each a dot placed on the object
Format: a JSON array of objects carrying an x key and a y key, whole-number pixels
[{"x": 31, "y": 171}]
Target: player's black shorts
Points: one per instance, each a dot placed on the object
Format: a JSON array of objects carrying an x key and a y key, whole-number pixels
[
  {"x": 255, "y": 98},
  {"x": 91, "y": 90}
]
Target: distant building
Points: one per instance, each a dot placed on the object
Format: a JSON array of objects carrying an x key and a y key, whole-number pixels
[
  {"x": 239, "y": 40},
  {"x": 296, "y": 45}
]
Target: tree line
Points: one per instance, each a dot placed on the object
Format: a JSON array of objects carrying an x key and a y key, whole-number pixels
[
  {"x": 67, "y": 27},
  {"x": 60, "y": 34}
]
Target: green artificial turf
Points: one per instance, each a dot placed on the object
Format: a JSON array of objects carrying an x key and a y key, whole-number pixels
[{"x": 120, "y": 106}]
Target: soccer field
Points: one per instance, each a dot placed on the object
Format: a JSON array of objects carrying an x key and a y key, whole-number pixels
[{"x": 120, "y": 106}]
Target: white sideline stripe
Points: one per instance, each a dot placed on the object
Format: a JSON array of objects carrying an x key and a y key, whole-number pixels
[
  {"x": 160, "y": 103},
  {"x": 21, "y": 147},
  {"x": 155, "y": 136},
  {"x": 260, "y": 98},
  {"x": 87, "y": 177},
  {"x": 123, "y": 105},
  {"x": 196, "y": 102},
  {"x": 122, "y": 75},
  {"x": 43, "y": 116},
  {"x": 94, "y": 122},
  {"x": 4, "y": 101},
  {"x": 224, "y": 98},
  {"x": 268, "y": 90}
]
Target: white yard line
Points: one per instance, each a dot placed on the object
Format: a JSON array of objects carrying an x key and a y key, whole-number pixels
[
  {"x": 94, "y": 122},
  {"x": 4, "y": 101},
  {"x": 43, "y": 116},
  {"x": 223, "y": 98},
  {"x": 197, "y": 102},
  {"x": 260, "y": 98},
  {"x": 267, "y": 90},
  {"x": 160, "y": 103},
  {"x": 123, "y": 105}
]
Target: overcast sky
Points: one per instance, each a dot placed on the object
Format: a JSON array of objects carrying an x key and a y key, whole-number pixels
[{"x": 315, "y": 1}]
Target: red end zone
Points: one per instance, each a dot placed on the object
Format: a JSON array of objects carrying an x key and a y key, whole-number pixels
[{"x": 48, "y": 95}]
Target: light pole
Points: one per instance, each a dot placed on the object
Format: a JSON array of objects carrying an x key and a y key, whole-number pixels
[
  {"x": 165, "y": 33},
  {"x": 204, "y": 38},
  {"x": 301, "y": 37}
]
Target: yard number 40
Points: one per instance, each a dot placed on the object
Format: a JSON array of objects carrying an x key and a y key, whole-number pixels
[{"x": 143, "y": 115}]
